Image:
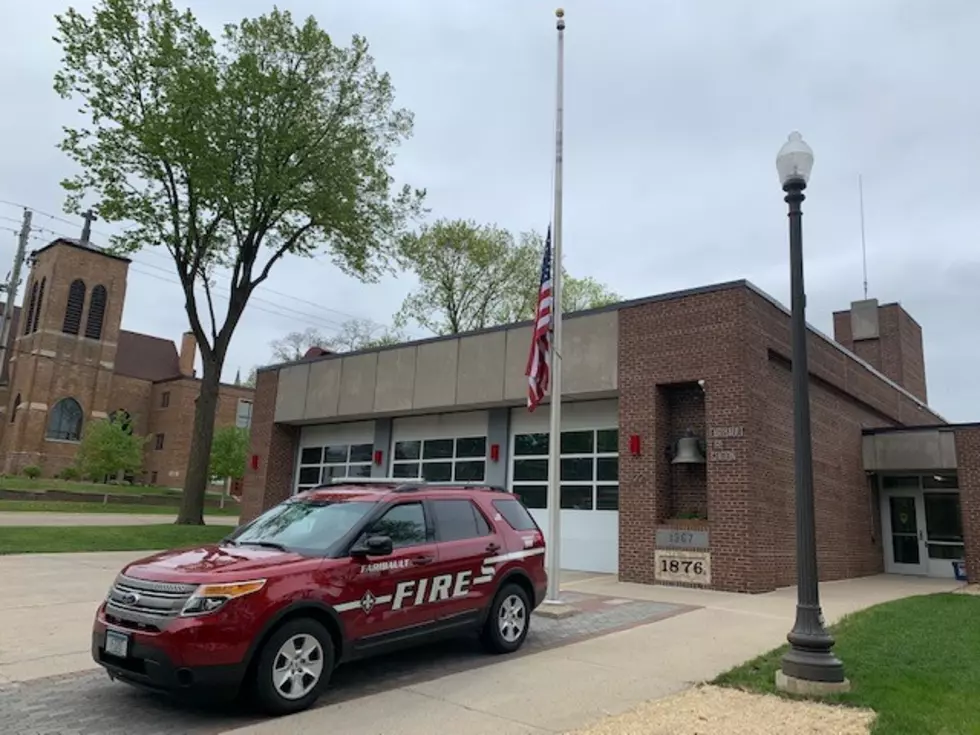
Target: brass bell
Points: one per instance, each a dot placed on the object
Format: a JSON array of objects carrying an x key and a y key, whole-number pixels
[{"x": 688, "y": 450}]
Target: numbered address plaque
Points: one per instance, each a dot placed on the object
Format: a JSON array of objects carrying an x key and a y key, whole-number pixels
[{"x": 691, "y": 567}]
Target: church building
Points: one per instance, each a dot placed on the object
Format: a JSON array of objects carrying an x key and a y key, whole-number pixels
[{"x": 68, "y": 361}]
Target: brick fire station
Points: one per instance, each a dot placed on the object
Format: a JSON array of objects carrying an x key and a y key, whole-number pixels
[{"x": 677, "y": 438}]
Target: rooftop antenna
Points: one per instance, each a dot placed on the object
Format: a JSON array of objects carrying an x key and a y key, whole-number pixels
[{"x": 864, "y": 248}]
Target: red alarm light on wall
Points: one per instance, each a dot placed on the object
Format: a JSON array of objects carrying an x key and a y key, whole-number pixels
[
  {"x": 254, "y": 462},
  {"x": 635, "y": 444},
  {"x": 378, "y": 456},
  {"x": 495, "y": 452}
]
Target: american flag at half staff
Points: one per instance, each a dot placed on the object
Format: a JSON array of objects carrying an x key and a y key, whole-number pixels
[{"x": 539, "y": 360}]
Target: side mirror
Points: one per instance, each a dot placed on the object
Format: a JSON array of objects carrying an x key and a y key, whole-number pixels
[{"x": 373, "y": 546}]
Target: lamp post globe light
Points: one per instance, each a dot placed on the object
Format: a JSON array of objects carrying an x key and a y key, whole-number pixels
[{"x": 809, "y": 667}]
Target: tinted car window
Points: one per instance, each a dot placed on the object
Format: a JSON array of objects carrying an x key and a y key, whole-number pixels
[
  {"x": 404, "y": 524},
  {"x": 515, "y": 514},
  {"x": 458, "y": 519},
  {"x": 303, "y": 526}
]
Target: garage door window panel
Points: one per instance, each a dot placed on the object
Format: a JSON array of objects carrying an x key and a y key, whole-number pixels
[
  {"x": 320, "y": 465},
  {"x": 589, "y": 465},
  {"x": 460, "y": 459}
]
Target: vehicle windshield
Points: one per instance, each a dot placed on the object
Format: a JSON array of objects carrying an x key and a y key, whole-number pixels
[{"x": 306, "y": 527}]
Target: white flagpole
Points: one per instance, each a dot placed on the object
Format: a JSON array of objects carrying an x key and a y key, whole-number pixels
[{"x": 554, "y": 441}]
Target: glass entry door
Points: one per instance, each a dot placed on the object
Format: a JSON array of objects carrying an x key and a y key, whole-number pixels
[{"x": 903, "y": 516}]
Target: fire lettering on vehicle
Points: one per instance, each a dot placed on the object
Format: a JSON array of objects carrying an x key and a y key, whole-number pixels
[
  {"x": 429, "y": 590},
  {"x": 443, "y": 587}
]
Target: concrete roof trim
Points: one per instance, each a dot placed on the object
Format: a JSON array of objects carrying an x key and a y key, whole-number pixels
[
  {"x": 618, "y": 306},
  {"x": 726, "y": 286}
]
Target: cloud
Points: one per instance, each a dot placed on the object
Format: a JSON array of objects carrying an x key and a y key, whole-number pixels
[{"x": 674, "y": 113}]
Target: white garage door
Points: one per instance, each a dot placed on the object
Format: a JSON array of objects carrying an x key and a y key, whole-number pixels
[
  {"x": 334, "y": 450},
  {"x": 441, "y": 448},
  {"x": 589, "y": 474}
]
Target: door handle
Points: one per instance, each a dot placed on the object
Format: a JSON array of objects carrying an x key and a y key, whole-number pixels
[
  {"x": 422, "y": 559},
  {"x": 920, "y": 534},
  {"x": 493, "y": 548}
]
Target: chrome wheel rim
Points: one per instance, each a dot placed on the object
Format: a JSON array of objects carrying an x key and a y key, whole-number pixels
[
  {"x": 297, "y": 667},
  {"x": 512, "y": 618}
]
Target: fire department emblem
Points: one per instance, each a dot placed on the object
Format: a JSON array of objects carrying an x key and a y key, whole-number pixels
[{"x": 368, "y": 601}]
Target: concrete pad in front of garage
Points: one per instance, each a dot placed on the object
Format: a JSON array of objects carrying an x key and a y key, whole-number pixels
[{"x": 30, "y": 518}]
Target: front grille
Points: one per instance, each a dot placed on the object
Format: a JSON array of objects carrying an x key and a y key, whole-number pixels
[{"x": 145, "y": 605}]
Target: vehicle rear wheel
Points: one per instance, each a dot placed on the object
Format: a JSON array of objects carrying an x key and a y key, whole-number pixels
[
  {"x": 294, "y": 666},
  {"x": 509, "y": 620}
]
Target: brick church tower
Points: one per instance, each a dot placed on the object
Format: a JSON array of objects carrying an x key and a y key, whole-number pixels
[{"x": 63, "y": 355}]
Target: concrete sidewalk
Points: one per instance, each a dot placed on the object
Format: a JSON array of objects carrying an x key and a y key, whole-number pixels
[
  {"x": 577, "y": 685},
  {"x": 30, "y": 518}
]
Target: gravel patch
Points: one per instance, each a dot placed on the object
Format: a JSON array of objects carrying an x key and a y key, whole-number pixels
[{"x": 709, "y": 710}]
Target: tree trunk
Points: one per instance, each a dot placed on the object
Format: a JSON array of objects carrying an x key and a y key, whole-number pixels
[{"x": 198, "y": 463}]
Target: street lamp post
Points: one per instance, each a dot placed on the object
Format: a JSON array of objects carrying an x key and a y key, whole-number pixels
[{"x": 810, "y": 663}]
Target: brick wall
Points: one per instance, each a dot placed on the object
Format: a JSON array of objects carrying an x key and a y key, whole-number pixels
[
  {"x": 968, "y": 471},
  {"x": 897, "y": 352},
  {"x": 175, "y": 422},
  {"x": 738, "y": 342},
  {"x": 664, "y": 343},
  {"x": 275, "y": 446}
]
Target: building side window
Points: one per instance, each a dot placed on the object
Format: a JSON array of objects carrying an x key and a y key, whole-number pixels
[
  {"x": 14, "y": 407},
  {"x": 441, "y": 460},
  {"x": 165, "y": 399},
  {"x": 73, "y": 310},
  {"x": 243, "y": 418},
  {"x": 40, "y": 305},
  {"x": 320, "y": 464},
  {"x": 65, "y": 422},
  {"x": 32, "y": 304},
  {"x": 153, "y": 477},
  {"x": 589, "y": 469},
  {"x": 158, "y": 442},
  {"x": 96, "y": 313}
]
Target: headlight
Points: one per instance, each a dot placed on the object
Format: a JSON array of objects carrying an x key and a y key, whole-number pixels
[{"x": 209, "y": 597}]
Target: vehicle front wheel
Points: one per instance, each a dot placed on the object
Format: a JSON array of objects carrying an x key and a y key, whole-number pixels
[
  {"x": 293, "y": 667},
  {"x": 509, "y": 620}
]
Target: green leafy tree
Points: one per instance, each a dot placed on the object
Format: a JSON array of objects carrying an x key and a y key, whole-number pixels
[
  {"x": 109, "y": 447},
  {"x": 229, "y": 452},
  {"x": 464, "y": 270},
  {"x": 230, "y": 152},
  {"x": 474, "y": 276}
]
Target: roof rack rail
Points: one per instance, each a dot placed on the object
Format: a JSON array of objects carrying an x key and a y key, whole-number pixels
[
  {"x": 408, "y": 484},
  {"x": 409, "y": 487}
]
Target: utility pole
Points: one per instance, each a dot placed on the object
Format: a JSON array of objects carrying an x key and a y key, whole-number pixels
[
  {"x": 89, "y": 217},
  {"x": 11, "y": 295}
]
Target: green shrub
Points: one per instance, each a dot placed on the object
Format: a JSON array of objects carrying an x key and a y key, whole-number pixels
[
  {"x": 69, "y": 473},
  {"x": 32, "y": 471}
]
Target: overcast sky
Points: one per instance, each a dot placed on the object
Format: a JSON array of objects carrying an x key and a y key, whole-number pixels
[{"x": 674, "y": 114}]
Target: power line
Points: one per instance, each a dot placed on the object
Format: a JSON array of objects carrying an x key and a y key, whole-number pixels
[{"x": 333, "y": 323}]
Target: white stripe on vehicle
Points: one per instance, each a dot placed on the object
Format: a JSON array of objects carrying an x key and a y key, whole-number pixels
[{"x": 437, "y": 588}]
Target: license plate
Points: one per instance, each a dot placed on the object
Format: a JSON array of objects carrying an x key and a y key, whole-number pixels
[{"x": 116, "y": 644}]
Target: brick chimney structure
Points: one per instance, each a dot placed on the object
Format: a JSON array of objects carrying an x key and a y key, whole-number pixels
[
  {"x": 188, "y": 353},
  {"x": 887, "y": 338}
]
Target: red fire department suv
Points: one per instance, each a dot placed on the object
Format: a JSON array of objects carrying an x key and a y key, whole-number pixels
[{"x": 334, "y": 574}]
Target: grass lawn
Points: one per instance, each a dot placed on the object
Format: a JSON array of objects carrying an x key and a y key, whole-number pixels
[
  {"x": 50, "y": 539},
  {"x": 54, "y": 506},
  {"x": 41, "y": 484},
  {"x": 916, "y": 662}
]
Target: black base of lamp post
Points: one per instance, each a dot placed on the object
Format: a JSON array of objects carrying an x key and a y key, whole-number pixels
[{"x": 810, "y": 656}]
